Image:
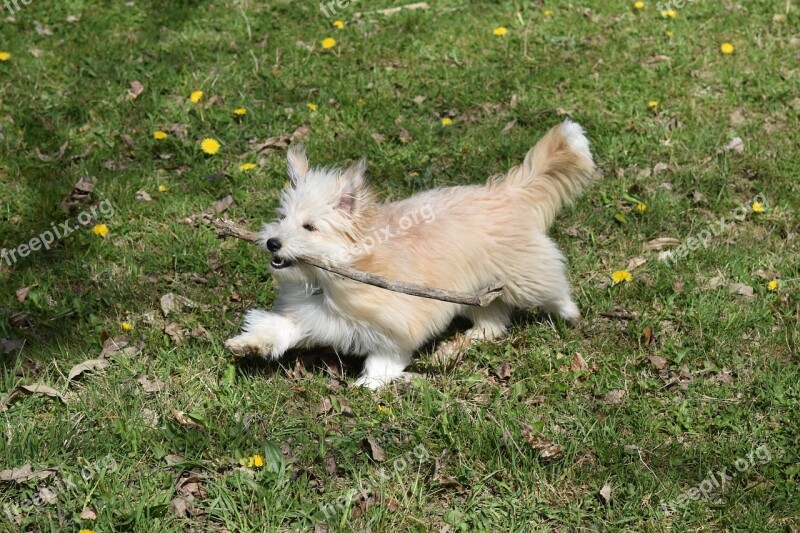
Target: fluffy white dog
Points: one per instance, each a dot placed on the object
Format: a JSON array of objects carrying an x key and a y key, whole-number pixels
[{"x": 461, "y": 238}]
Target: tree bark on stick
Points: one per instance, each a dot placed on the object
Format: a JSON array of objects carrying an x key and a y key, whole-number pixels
[{"x": 226, "y": 228}]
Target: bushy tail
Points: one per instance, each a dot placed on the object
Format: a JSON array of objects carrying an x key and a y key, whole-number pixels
[{"x": 554, "y": 172}]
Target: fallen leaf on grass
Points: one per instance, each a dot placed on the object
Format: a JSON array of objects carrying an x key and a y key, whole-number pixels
[
  {"x": 22, "y": 294},
  {"x": 378, "y": 137},
  {"x": 36, "y": 389},
  {"x": 148, "y": 385},
  {"x": 419, "y": 99},
  {"x": 171, "y": 302},
  {"x": 504, "y": 371},
  {"x": 11, "y": 346},
  {"x": 114, "y": 345},
  {"x": 87, "y": 366},
  {"x": 136, "y": 89},
  {"x": 605, "y": 493},
  {"x": 736, "y": 145},
  {"x": 404, "y": 136},
  {"x": 42, "y": 30},
  {"x": 636, "y": 262},
  {"x": 578, "y": 363},
  {"x": 661, "y": 242},
  {"x": 222, "y": 205},
  {"x": 183, "y": 419},
  {"x": 376, "y": 451},
  {"x": 80, "y": 194},
  {"x": 175, "y": 331},
  {"x": 508, "y": 127},
  {"x": 648, "y": 337},
  {"x": 47, "y": 496},
  {"x": 741, "y": 289},
  {"x": 658, "y": 362},
  {"x": 24, "y": 473},
  {"x": 73, "y": 19},
  {"x": 88, "y": 514},
  {"x": 547, "y": 448},
  {"x": 142, "y": 196},
  {"x": 655, "y": 60},
  {"x": 614, "y": 397},
  {"x": 51, "y": 158},
  {"x": 187, "y": 490},
  {"x": 325, "y": 407}
]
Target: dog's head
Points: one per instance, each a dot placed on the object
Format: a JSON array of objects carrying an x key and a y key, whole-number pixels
[{"x": 322, "y": 214}]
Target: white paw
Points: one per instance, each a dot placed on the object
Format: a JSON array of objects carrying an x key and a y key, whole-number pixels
[
  {"x": 377, "y": 382},
  {"x": 246, "y": 344}
]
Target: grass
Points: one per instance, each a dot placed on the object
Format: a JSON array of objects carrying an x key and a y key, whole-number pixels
[{"x": 729, "y": 382}]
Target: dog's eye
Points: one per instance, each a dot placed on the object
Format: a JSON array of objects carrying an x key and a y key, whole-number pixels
[{"x": 309, "y": 227}]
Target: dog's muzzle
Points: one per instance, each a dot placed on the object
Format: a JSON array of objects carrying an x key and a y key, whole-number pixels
[{"x": 279, "y": 263}]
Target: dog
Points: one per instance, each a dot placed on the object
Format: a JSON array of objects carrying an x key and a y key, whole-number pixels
[{"x": 461, "y": 238}]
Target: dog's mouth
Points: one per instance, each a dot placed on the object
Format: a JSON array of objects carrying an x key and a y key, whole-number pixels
[{"x": 279, "y": 263}]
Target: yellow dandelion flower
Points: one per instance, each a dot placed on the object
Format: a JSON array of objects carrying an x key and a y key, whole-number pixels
[
  {"x": 621, "y": 276},
  {"x": 548, "y": 12},
  {"x": 670, "y": 34},
  {"x": 101, "y": 230},
  {"x": 256, "y": 461},
  {"x": 247, "y": 166},
  {"x": 360, "y": 102},
  {"x": 163, "y": 188},
  {"x": 413, "y": 174},
  {"x": 160, "y": 135},
  {"x": 328, "y": 42},
  {"x": 446, "y": 121},
  {"x": 641, "y": 207},
  {"x": 196, "y": 96},
  {"x": 757, "y": 207},
  {"x": 726, "y": 48},
  {"x": 210, "y": 146},
  {"x": 638, "y": 5},
  {"x": 5, "y": 56},
  {"x": 338, "y": 24},
  {"x": 773, "y": 285},
  {"x": 312, "y": 107},
  {"x": 126, "y": 326},
  {"x": 240, "y": 112},
  {"x": 385, "y": 410},
  {"x": 86, "y": 531},
  {"x": 499, "y": 31},
  {"x": 652, "y": 104},
  {"x": 669, "y": 13}
]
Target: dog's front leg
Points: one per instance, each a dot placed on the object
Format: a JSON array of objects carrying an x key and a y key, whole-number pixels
[
  {"x": 381, "y": 368},
  {"x": 266, "y": 333}
]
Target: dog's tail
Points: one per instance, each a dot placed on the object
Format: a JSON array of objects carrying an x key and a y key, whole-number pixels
[{"x": 554, "y": 172}]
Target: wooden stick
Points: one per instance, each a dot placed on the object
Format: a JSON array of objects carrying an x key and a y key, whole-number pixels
[{"x": 227, "y": 228}]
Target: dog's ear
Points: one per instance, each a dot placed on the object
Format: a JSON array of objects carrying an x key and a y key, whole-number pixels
[
  {"x": 355, "y": 192},
  {"x": 296, "y": 163}
]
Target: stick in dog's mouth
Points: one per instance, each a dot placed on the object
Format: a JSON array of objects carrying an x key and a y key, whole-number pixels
[{"x": 226, "y": 228}]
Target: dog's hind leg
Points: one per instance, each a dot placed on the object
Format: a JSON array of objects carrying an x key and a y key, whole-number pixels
[
  {"x": 267, "y": 334},
  {"x": 488, "y": 323},
  {"x": 381, "y": 368}
]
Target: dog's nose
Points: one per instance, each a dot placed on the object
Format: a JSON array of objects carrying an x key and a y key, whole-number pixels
[{"x": 273, "y": 244}]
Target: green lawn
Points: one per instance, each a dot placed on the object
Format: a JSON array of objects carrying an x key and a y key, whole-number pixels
[{"x": 686, "y": 374}]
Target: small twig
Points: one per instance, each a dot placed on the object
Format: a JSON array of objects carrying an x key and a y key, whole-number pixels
[{"x": 226, "y": 228}]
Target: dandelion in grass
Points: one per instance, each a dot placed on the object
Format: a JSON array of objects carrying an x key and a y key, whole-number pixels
[
  {"x": 196, "y": 96},
  {"x": 385, "y": 410},
  {"x": 641, "y": 207},
  {"x": 499, "y": 31},
  {"x": 773, "y": 285},
  {"x": 638, "y": 5},
  {"x": 256, "y": 461},
  {"x": 160, "y": 135},
  {"x": 548, "y": 12},
  {"x": 5, "y": 56},
  {"x": 126, "y": 326},
  {"x": 726, "y": 48},
  {"x": 757, "y": 207},
  {"x": 240, "y": 111},
  {"x": 621, "y": 276},
  {"x": 87, "y": 531},
  {"x": 652, "y": 104},
  {"x": 360, "y": 102},
  {"x": 328, "y": 43},
  {"x": 670, "y": 34},
  {"x": 210, "y": 146},
  {"x": 101, "y": 230},
  {"x": 446, "y": 121},
  {"x": 247, "y": 166},
  {"x": 163, "y": 188},
  {"x": 669, "y": 13},
  {"x": 312, "y": 107},
  {"x": 338, "y": 24}
]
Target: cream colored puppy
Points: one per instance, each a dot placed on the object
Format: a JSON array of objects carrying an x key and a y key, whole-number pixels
[{"x": 460, "y": 238}]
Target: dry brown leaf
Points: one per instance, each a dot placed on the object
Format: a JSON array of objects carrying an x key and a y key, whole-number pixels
[
  {"x": 736, "y": 145},
  {"x": 301, "y": 133},
  {"x": 378, "y": 138},
  {"x": 22, "y": 294},
  {"x": 741, "y": 289},
  {"x": 142, "y": 196},
  {"x": 661, "y": 242},
  {"x": 47, "y": 496},
  {"x": 55, "y": 157},
  {"x": 73, "y": 19},
  {"x": 504, "y": 371},
  {"x": 605, "y": 493},
  {"x": 114, "y": 345},
  {"x": 648, "y": 337},
  {"x": 222, "y": 205},
  {"x": 660, "y": 167},
  {"x": 80, "y": 195},
  {"x": 37, "y": 389},
  {"x": 175, "y": 331},
  {"x": 184, "y": 420},
  {"x": 24, "y": 473},
  {"x": 325, "y": 407},
  {"x": 404, "y": 136},
  {"x": 87, "y": 366},
  {"x": 658, "y": 362},
  {"x": 419, "y": 99},
  {"x": 578, "y": 363},
  {"x": 11, "y": 346},
  {"x": 171, "y": 302},
  {"x": 148, "y": 385},
  {"x": 42, "y": 30},
  {"x": 656, "y": 60},
  {"x": 88, "y": 514},
  {"x": 136, "y": 89},
  {"x": 375, "y": 449},
  {"x": 636, "y": 262},
  {"x": 271, "y": 144},
  {"x": 614, "y": 397},
  {"x": 508, "y": 127}
]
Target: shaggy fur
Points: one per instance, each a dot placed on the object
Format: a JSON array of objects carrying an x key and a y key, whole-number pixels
[{"x": 459, "y": 238}]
